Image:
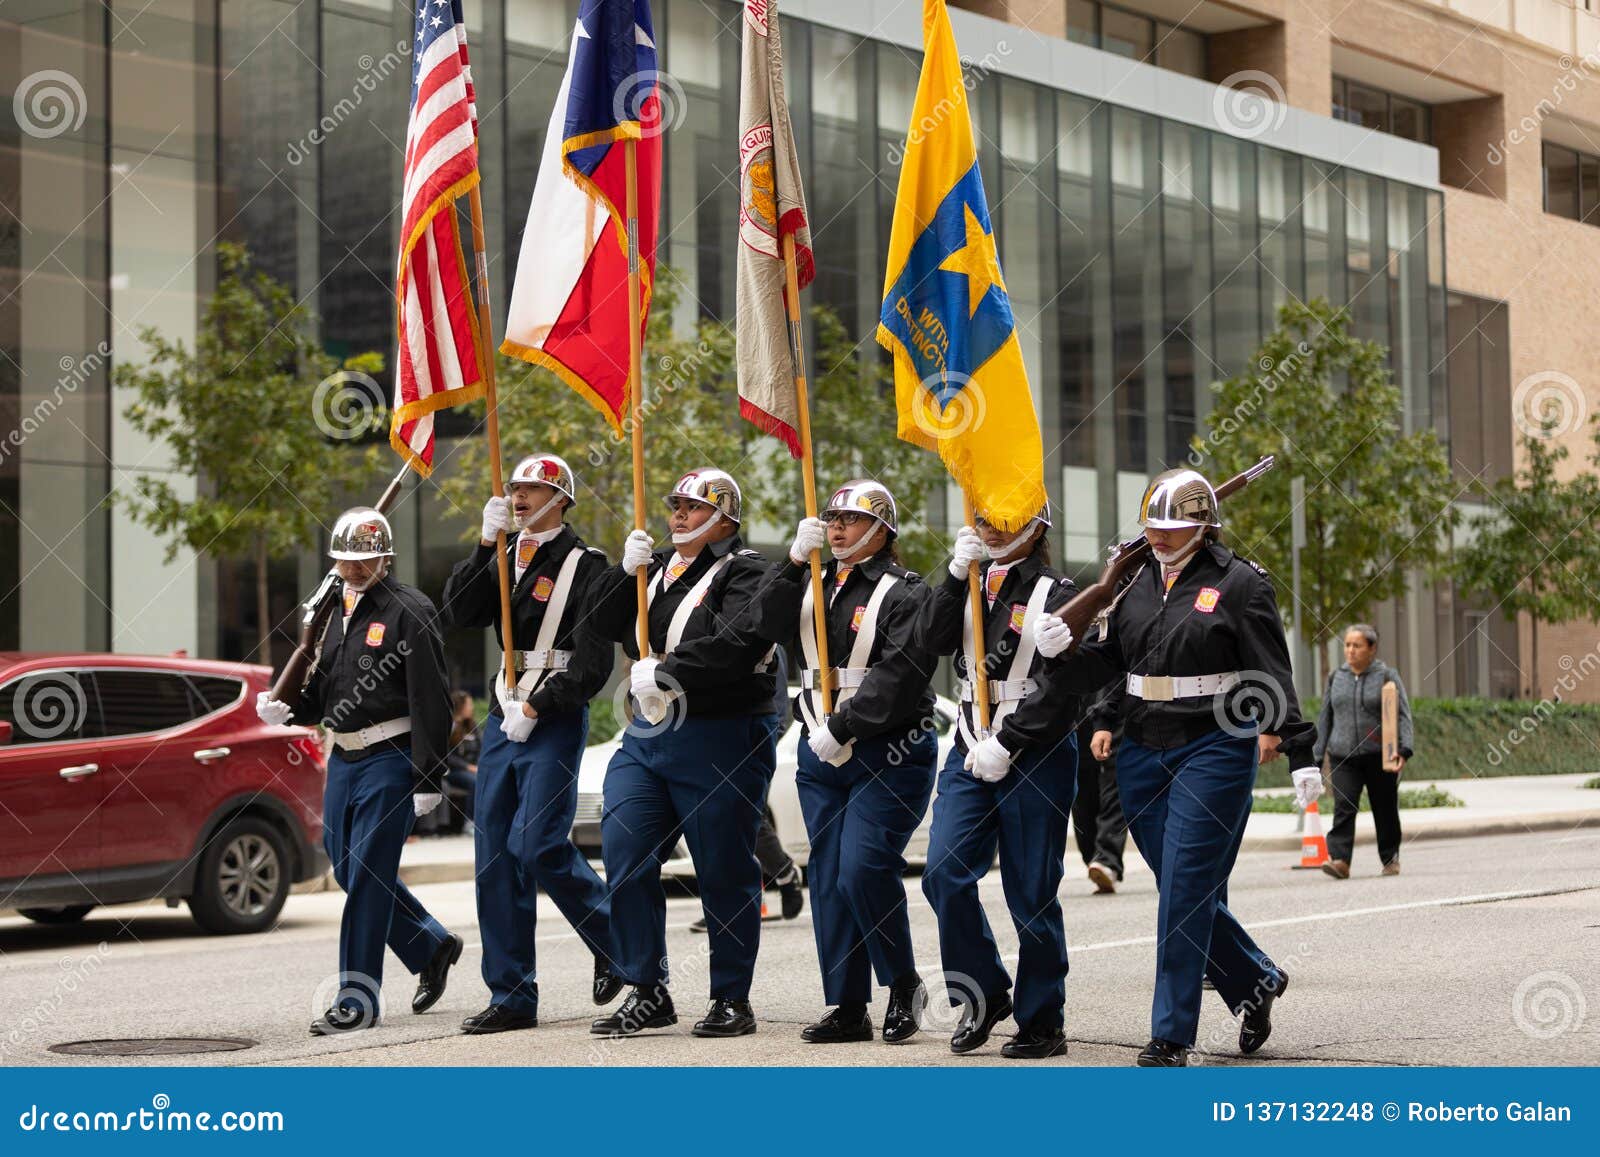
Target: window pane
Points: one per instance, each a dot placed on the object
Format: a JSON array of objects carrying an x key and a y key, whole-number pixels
[
  {"x": 215, "y": 691},
  {"x": 1589, "y": 188},
  {"x": 1341, "y": 99},
  {"x": 1182, "y": 51},
  {"x": 136, "y": 701},
  {"x": 1367, "y": 107},
  {"x": 47, "y": 707},
  {"x": 1080, "y": 22},
  {"x": 1560, "y": 182},
  {"x": 1408, "y": 119},
  {"x": 1126, "y": 34}
]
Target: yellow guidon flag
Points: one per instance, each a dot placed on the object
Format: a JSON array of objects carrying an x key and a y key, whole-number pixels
[{"x": 960, "y": 385}]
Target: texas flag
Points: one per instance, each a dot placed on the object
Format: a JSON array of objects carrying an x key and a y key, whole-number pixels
[{"x": 569, "y": 304}]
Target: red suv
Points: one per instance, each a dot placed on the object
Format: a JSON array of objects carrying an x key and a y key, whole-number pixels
[{"x": 128, "y": 777}]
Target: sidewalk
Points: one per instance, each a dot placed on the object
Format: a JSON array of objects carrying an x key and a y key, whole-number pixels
[{"x": 1493, "y": 806}]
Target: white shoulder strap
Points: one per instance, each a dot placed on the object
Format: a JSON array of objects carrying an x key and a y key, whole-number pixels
[
  {"x": 691, "y": 600},
  {"x": 867, "y": 633}
]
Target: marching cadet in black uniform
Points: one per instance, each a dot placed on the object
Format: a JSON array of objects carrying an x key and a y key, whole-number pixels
[
  {"x": 1013, "y": 786},
  {"x": 379, "y": 686},
  {"x": 696, "y": 759},
  {"x": 527, "y": 787},
  {"x": 1197, "y": 638},
  {"x": 866, "y": 771}
]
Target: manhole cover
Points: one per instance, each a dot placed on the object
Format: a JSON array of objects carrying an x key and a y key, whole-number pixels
[{"x": 152, "y": 1046}]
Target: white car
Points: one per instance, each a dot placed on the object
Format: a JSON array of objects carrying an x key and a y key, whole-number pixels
[{"x": 783, "y": 801}]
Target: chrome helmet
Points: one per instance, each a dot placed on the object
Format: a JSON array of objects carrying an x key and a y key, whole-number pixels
[
  {"x": 1176, "y": 499},
  {"x": 549, "y": 470},
  {"x": 361, "y": 532},
  {"x": 864, "y": 496},
  {"x": 711, "y": 487}
]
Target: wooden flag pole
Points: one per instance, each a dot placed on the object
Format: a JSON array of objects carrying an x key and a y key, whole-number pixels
[
  {"x": 631, "y": 176},
  {"x": 496, "y": 473},
  {"x": 808, "y": 469},
  {"x": 979, "y": 677}
]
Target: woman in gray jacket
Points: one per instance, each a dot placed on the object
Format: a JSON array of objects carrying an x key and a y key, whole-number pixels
[{"x": 1350, "y": 731}]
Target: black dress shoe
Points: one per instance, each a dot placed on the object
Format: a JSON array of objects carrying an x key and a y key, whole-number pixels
[
  {"x": 792, "y": 894},
  {"x": 726, "y": 1018},
  {"x": 1162, "y": 1054},
  {"x": 1257, "y": 1024},
  {"x": 902, "y": 1020},
  {"x": 973, "y": 1031},
  {"x": 430, "y": 985},
  {"x": 340, "y": 1019},
  {"x": 647, "y": 1007},
  {"x": 846, "y": 1024},
  {"x": 606, "y": 983},
  {"x": 498, "y": 1018},
  {"x": 1035, "y": 1044}
]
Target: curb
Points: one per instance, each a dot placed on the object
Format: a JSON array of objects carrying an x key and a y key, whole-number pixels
[{"x": 1448, "y": 829}]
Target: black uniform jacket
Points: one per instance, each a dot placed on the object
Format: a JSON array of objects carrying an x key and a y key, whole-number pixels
[
  {"x": 388, "y": 663},
  {"x": 716, "y": 659},
  {"x": 1043, "y": 719},
  {"x": 894, "y": 696},
  {"x": 1221, "y": 615},
  {"x": 472, "y": 599}
]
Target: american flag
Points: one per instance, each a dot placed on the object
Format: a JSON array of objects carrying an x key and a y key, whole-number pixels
[{"x": 437, "y": 361}]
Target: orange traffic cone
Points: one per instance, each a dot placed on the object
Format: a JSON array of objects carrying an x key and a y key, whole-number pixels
[{"x": 1313, "y": 844}]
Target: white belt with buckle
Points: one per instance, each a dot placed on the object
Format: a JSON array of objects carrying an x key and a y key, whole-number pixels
[
  {"x": 842, "y": 677},
  {"x": 1002, "y": 690},
  {"x": 365, "y": 737},
  {"x": 1166, "y": 688},
  {"x": 542, "y": 660}
]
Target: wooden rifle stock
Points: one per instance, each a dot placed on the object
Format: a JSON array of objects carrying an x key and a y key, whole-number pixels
[
  {"x": 315, "y": 613},
  {"x": 1125, "y": 558}
]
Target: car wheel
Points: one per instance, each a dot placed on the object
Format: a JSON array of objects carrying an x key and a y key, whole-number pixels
[
  {"x": 70, "y": 914},
  {"x": 243, "y": 878}
]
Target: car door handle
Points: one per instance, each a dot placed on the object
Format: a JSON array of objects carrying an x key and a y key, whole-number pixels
[
  {"x": 79, "y": 771},
  {"x": 211, "y": 754}
]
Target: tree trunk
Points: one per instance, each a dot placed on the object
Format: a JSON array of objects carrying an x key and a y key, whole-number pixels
[
  {"x": 1533, "y": 673},
  {"x": 263, "y": 617}
]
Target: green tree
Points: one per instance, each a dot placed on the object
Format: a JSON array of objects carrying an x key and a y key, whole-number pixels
[
  {"x": 1533, "y": 549},
  {"x": 255, "y": 413},
  {"x": 692, "y": 419},
  {"x": 1378, "y": 501}
]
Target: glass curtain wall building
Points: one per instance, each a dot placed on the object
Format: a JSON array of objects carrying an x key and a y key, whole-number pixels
[{"x": 1146, "y": 242}]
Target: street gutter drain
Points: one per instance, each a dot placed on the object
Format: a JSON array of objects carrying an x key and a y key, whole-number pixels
[{"x": 158, "y": 1046}]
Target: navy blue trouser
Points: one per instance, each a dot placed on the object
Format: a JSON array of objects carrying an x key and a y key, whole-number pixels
[
  {"x": 707, "y": 781},
  {"x": 366, "y": 817},
  {"x": 859, "y": 817},
  {"x": 1187, "y": 808},
  {"x": 526, "y": 796},
  {"x": 1028, "y": 813}
]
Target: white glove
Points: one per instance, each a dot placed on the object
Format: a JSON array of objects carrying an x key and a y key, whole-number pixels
[
  {"x": 989, "y": 761},
  {"x": 1051, "y": 635},
  {"x": 635, "y": 552},
  {"x": 515, "y": 723},
  {"x": 967, "y": 550},
  {"x": 808, "y": 536},
  {"x": 828, "y": 749},
  {"x": 496, "y": 518},
  {"x": 272, "y": 712},
  {"x": 425, "y": 802},
  {"x": 1307, "y": 786},
  {"x": 651, "y": 695}
]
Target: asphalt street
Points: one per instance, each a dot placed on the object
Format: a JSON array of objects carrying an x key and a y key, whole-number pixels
[{"x": 1481, "y": 953}]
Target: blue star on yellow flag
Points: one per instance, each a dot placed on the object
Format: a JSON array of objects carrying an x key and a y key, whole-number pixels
[{"x": 960, "y": 385}]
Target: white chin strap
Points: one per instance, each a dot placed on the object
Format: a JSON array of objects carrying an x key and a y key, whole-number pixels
[
  {"x": 859, "y": 548},
  {"x": 997, "y": 552},
  {"x": 1171, "y": 558},
  {"x": 524, "y": 522},
  {"x": 685, "y": 537}
]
